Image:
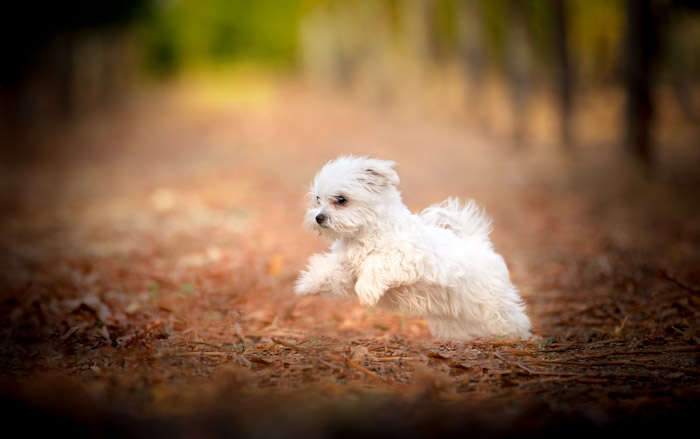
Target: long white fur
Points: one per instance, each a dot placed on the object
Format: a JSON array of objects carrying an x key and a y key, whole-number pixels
[{"x": 439, "y": 264}]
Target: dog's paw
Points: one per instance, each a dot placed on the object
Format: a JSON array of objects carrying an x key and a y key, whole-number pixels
[
  {"x": 303, "y": 285},
  {"x": 368, "y": 293}
]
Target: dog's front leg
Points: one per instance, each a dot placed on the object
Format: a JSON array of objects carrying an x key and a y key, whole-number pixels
[
  {"x": 323, "y": 275},
  {"x": 315, "y": 279},
  {"x": 372, "y": 280},
  {"x": 382, "y": 271}
]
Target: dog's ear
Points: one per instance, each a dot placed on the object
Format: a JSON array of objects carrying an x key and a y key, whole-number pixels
[{"x": 381, "y": 172}]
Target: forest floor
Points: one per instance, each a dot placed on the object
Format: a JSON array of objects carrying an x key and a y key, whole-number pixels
[{"x": 148, "y": 253}]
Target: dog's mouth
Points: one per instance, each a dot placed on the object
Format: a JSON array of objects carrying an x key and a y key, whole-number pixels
[{"x": 323, "y": 229}]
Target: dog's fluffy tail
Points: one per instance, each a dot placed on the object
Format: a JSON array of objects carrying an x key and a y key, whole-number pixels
[{"x": 466, "y": 221}]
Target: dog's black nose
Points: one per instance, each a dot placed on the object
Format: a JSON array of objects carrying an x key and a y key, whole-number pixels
[{"x": 320, "y": 218}]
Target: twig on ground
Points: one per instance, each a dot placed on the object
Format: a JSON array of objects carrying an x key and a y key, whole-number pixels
[
  {"x": 615, "y": 363},
  {"x": 70, "y": 332},
  {"x": 389, "y": 359},
  {"x": 355, "y": 366},
  {"x": 143, "y": 334},
  {"x": 288, "y": 345},
  {"x": 544, "y": 372},
  {"x": 200, "y": 354},
  {"x": 665, "y": 276},
  {"x": 203, "y": 343},
  {"x": 531, "y": 371},
  {"x": 330, "y": 365},
  {"x": 363, "y": 369},
  {"x": 655, "y": 352}
]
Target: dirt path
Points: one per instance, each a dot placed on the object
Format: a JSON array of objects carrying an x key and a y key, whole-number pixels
[{"x": 148, "y": 256}]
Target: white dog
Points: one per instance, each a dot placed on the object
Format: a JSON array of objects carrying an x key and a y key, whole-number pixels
[{"x": 439, "y": 264}]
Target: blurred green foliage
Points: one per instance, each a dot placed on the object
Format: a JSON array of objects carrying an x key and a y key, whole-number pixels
[
  {"x": 180, "y": 34},
  {"x": 494, "y": 14},
  {"x": 595, "y": 28},
  {"x": 185, "y": 33}
]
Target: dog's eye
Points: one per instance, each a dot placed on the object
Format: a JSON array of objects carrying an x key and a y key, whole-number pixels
[
  {"x": 318, "y": 200},
  {"x": 341, "y": 200}
]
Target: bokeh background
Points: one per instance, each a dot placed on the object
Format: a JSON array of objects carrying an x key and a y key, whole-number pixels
[
  {"x": 561, "y": 71},
  {"x": 154, "y": 162}
]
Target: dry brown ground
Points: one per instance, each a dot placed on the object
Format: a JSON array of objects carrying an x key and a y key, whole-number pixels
[{"x": 148, "y": 254}]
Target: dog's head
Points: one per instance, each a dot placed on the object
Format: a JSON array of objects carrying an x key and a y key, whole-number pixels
[{"x": 351, "y": 194}]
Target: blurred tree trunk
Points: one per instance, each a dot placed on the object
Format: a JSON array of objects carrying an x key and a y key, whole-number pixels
[
  {"x": 518, "y": 53},
  {"x": 418, "y": 17},
  {"x": 639, "y": 48},
  {"x": 679, "y": 30},
  {"x": 564, "y": 82},
  {"x": 470, "y": 43}
]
